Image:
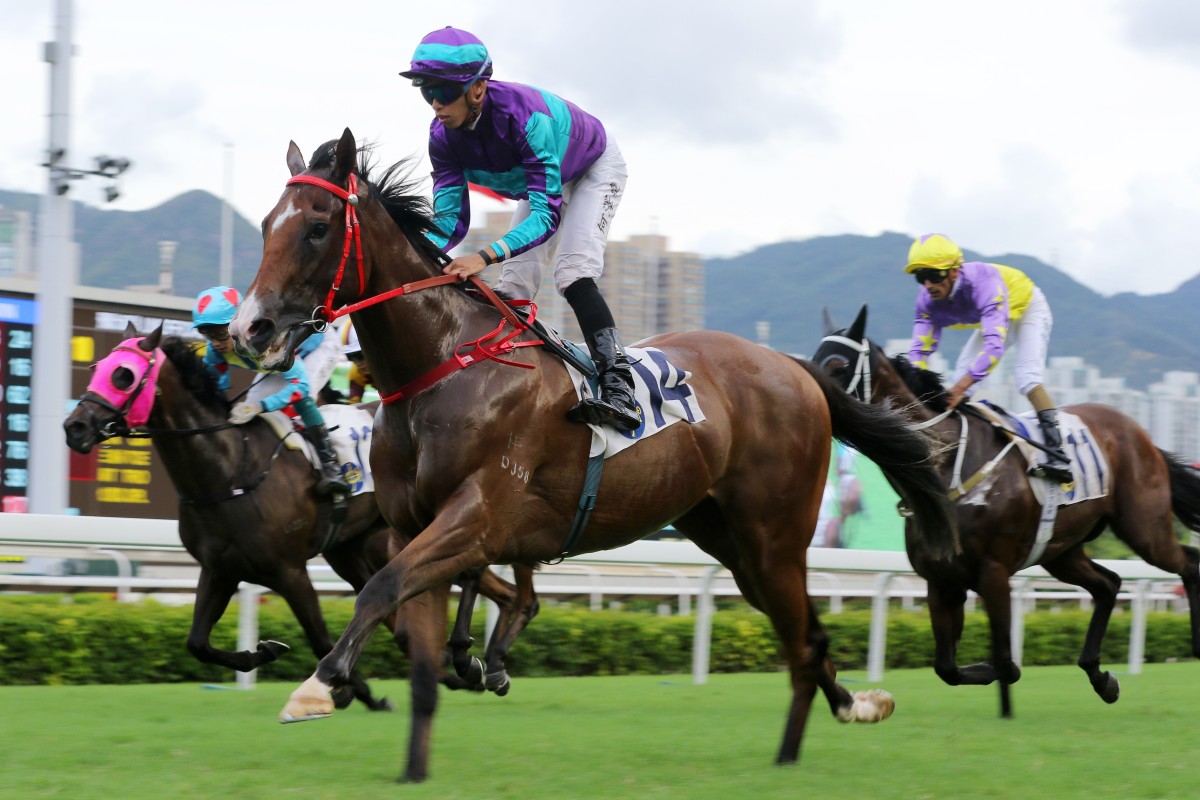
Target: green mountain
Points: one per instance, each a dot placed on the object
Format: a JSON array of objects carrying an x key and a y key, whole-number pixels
[
  {"x": 120, "y": 248},
  {"x": 786, "y": 284}
]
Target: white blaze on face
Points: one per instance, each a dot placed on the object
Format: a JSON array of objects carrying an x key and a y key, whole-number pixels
[
  {"x": 284, "y": 216},
  {"x": 248, "y": 311}
]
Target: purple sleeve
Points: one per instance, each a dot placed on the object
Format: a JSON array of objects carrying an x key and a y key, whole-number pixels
[
  {"x": 991, "y": 299},
  {"x": 451, "y": 200},
  {"x": 925, "y": 335}
]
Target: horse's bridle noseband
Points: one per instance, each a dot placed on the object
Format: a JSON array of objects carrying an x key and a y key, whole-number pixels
[{"x": 862, "y": 367}]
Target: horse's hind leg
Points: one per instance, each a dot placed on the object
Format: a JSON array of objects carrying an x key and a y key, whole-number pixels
[
  {"x": 1102, "y": 584},
  {"x": 518, "y": 606}
]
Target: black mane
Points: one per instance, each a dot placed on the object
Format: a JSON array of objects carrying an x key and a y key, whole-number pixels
[
  {"x": 196, "y": 378},
  {"x": 926, "y": 385},
  {"x": 396, "y": 191}
]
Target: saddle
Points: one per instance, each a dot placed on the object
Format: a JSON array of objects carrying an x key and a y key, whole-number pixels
[{"x": 1088, "y": 464}]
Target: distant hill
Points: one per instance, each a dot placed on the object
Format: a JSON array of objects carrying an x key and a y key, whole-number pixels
[
  {"x": 786, "y": 284},
  {"x": 120, "y": 248}
]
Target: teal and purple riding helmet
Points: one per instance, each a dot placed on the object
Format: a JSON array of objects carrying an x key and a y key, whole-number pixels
[{"x": 446, "y": 63}]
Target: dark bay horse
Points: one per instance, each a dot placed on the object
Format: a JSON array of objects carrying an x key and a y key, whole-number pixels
[
  {"x": 998, "y": 518},
  {"x": 744, "y": 484},
  {"x": 249, "y": 512}
]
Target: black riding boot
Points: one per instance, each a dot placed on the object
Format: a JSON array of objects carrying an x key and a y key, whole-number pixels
[
  {"x": 1057, "y": 466},
  {"x": 616, "y": 405},
  {"x": 331, "y": 472}
]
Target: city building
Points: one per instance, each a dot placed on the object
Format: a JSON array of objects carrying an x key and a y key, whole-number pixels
[
  {"x": 649, "y": 288},
  {"x": 16, "y": 243}
]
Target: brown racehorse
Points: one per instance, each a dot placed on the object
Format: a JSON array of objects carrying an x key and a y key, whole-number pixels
[
  {"x": 999, "y": 517},
  {"x": 249, "y": 512},
  {"x": 744, "y": 484}
]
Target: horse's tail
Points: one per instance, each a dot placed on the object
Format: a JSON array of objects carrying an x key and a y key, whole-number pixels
[
  {"x": 1185, "y": 490},
  {"x": 905, "y": 456}
]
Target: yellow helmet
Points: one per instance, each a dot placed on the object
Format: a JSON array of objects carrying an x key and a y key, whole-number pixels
[{"x": 933, "y": 250}]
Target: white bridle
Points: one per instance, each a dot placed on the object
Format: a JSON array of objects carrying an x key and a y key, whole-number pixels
[{"x": 862, "y": 368}]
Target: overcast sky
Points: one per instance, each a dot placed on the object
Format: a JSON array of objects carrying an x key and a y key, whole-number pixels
[{"x": 1064, "y": 129}]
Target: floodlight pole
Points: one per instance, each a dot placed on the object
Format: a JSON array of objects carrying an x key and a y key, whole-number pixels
[{"x": 58, "y": 273}]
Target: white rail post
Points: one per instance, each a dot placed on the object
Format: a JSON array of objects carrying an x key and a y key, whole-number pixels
[
  {"x": 702, "y": 640},
  {"x": 1016, "y": 633},
  {"x": 124, "y": 570},
  {"x": 877, "y": 649},
  {"x": 1137, "y": 627},
  {"x": 248, "y": 595}
]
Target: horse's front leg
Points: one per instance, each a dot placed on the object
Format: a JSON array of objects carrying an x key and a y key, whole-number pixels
[
  {"x": 212, "y": 598},
  {"x": 996, "y": 593},
  {"x": 946, "y": 602},
  {"x": 466, "y": 666},
  {"x": 451, "y": 545}
]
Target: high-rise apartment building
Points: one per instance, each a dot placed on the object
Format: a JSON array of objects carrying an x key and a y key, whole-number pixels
[{"x": 649, "y": 288}]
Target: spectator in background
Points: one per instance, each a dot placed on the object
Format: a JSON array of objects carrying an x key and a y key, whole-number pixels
[
  {"x": 360, "y": 375},
  {"x": 841, "y": 500}
]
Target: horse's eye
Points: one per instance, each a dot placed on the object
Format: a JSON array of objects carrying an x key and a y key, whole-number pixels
[
  {"x": 318, "y": 231},
  {"x": 122, "y": 378}
]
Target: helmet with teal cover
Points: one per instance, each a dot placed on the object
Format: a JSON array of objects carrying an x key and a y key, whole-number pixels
[
  {"x": 933, "y": 251},
  {"x": 451, "y": 56},
  {"x": 215, "y": 306}
]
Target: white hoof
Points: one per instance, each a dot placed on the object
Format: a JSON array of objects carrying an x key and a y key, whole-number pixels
[
  {"x": 313, "y": 700},
  {"x": 875, "y": 705}
]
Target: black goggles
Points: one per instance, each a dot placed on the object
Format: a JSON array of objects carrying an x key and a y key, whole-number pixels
[
  {"x": 444, "y": 93},
  {"x": 218, "y": 333},
  {"x": 924, "y": 276}
]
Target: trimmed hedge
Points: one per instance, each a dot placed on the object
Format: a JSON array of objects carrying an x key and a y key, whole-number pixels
[{"x": 79, "y": 639}]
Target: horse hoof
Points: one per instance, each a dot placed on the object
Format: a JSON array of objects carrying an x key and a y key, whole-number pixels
[
  {"x": 473, "y": 674},
  {"x": 498, "y": 682},
  {"x": 313, "y": 700},
  {"x": 272, "y": 649},
  {"x": 383, "y": 704},
  {"x": 343, "y": 696},
  {"x": 875, "y": 705},
  {"x": 1110, "y": 692}
]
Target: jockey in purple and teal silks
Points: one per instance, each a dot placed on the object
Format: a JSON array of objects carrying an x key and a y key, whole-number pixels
[
  {"x": 567, "y": 175},
  {"x": 211, "y": 315},
  {"x": 1005, "y": 307}
]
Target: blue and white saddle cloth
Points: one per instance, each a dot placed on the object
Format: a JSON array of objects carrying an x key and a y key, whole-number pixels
[
  {"x": 663, "y": 394},
  {"x": 1088, "y": 465},
  {"x": 350, "y": 432}
]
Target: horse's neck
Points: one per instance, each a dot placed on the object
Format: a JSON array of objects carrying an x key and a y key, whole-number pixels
[
  {"x": 407, "y": 336},
  {"x": 195, "y": 462},
  {"x": 890, "y": 386}
]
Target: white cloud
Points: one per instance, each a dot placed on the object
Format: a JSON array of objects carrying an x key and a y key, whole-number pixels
[{"x": 1054, "y": 129}]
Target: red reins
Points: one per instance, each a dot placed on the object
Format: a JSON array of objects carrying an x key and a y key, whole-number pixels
[{"x": 482, "y": 349}]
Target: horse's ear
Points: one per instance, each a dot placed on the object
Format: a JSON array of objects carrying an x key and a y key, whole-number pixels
[
  {"x": 130, "y": 331},
  {"x": 150, "y": 341},
  {"x": 827, "y": 319},
  {"x": 858, "y": 329},
  {"x": 345, "y": 157},
  {"x": 295, "y": 159}
]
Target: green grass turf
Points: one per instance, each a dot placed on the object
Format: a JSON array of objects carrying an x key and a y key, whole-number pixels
[{"x": 622, "y": 737}]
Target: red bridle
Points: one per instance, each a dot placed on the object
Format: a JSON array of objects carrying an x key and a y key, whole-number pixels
[{"x": 475, "y": 351}]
